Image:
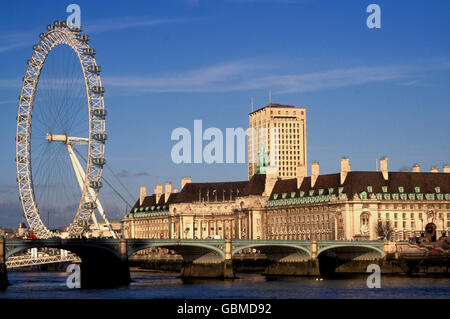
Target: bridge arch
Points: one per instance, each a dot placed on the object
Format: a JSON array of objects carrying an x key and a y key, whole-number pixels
[
  {"x": 181, "y": 248},
  {"x": 350, "y": 246},
  {"x": 265, "y": 246},
  {"x": 76, "y": 248}
]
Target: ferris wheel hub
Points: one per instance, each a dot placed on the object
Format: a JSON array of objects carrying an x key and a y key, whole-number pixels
[{"x": 66, "y": 139}]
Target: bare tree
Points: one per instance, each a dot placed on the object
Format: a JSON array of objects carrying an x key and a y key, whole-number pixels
[{"x": 384, "y": 229}]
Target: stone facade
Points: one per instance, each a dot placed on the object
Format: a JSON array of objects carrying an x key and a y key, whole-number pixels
[{"x": 343, "y": 206}]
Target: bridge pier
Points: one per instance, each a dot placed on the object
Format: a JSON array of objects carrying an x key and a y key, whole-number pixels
[
  {"x": 103, "y": 269},
  {"x": 101, "y": 273},
  {"x": 3, "y": 273},
  {"x": 295, "y": 268},
  {"x": 209, "y": 265},
  {"x": 207, "y": 270}
]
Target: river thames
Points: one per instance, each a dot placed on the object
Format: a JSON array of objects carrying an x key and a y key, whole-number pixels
[{"x": 154, "y": 285}]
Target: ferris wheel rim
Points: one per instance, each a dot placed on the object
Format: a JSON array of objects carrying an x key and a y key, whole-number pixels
[{"x": 59, "y": 34}]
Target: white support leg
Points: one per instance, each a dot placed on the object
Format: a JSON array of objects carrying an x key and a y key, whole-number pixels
[{"x": 81, "y": 175}]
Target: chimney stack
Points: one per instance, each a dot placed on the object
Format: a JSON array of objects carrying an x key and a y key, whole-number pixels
[
  {"x": 175, "y": 190},
  {"x": 167, "y": 191},
  {"x": 314, "y": 173},
  {"x": 345, "y": 168},
  {"x": 184, "y": 181},
  {"x": 301, "y": 174},
  {"x": 416, "y": 168},
  {"x": 434, "y": 170},
  {"x": 158, "y": 192},
  {"x": 384, "y": 168},
  {"x": 446, "y": 168},
  {"x": 142, "y": 194},
  {"x": 271, "y": 179}
]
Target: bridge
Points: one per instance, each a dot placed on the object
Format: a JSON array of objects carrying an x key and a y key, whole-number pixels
[
  {"x": 30, "y": 260},
  {"x": 104, "y": 262}
]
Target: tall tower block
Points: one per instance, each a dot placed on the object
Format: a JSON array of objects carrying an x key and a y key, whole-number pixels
[{"x": 280, "y": 132}]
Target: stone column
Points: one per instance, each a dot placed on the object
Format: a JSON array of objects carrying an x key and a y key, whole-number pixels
[
  {"x": 314, "y": 250},
  {"x": 3, "y": 273},
  {"x": 228, "y": 271},
  {"x": 238, "y": 228},
  {"x": 123, "y": 250}
]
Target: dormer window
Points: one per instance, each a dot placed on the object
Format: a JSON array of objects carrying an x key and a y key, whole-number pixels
[
  {"x": 417, "y": 189},
  {"x": 385, "y": 189},
  {"x": 401, "y": 189},
  {"x": 369, "y": 189},
  {"x": 437, "y": 189}
]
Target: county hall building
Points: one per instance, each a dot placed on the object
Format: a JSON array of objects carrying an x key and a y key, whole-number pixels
[{"x": 280, "y": 201}]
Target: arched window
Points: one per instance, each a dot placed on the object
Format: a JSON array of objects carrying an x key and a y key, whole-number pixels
[{"x": 364, "y": 223}]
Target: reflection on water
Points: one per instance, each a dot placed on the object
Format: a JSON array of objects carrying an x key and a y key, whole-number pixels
[{"x": 168, "y": 285}]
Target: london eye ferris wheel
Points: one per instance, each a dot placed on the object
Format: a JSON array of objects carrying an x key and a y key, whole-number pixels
[{"x": 61, "y": 133}]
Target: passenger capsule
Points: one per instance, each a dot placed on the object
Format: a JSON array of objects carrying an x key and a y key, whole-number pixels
[
  {"x": 28, "y": 80},
  {"x": 51, "y": 27},
  {"x": 60, "y": 24},
  {"x": 33, "y": 63},
  {"x": 75, "y": 28},
  {"x": 42, "y": 35},
  {"x": 99, "y": 161},
  {"x": 94, "y": 69},
  {"x": 82, "y": 37},
  {"x": 99, "y": 112},
  {"x": 21, "y": 159},
  {"x": 22, "y": 118},
  {"x": 98, "y": 89},
  {"x": 90, "y": 205},
  {"x": 101, "y": 137},
  {"x": 89, "y": 51},
  {"x": 95, "y": 185},
  {"x": 25, "y": 99}
]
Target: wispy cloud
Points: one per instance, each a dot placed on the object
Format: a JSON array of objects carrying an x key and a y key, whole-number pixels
[
  {"x": 10, "y": 83},
  {"x": 11, "y": 46},
  {"x": 126, "y": 174},
  {"x": 22, "y": 38},
  {"x": 243, "y": 76},
  {"x": 8, "y": 102},
  {"x": 122, "y": 23},
  {"x": 206, "y": 79}
]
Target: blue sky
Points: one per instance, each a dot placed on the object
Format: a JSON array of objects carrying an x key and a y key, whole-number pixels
[{"x": 368, "y": 92}]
